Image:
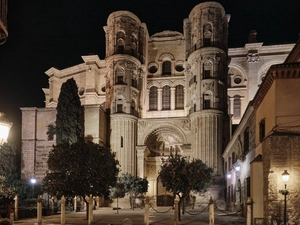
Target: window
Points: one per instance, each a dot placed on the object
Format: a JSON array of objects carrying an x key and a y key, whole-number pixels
[
  {"x": 120, "y": 80},
  {"x": 122, "y": 140},
  {"x": 233, "y": 158},
  {"x": 179, "y": 97},
  {"x": 166, "y": 68},
  {"x": 207, "y": 70},
  {"x": 262, "y": 130},
  {"x": 206, "y": 101},
  {"x": 237, "y": 106},
  {"x": 248, "y": 186},
  {"x": 246, "y": 140},
  {"x": 166, "y": 98},
  {"x": 119, "y": 108},
  {"x": 153, "y": 98},
  {"x": 134, "y": 83}
]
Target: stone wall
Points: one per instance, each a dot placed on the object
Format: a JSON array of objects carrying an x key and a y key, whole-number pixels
[{"x": 281, "y": 152}]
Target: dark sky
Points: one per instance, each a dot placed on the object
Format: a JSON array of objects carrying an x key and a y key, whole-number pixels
[{"x": 44, "y": 33}]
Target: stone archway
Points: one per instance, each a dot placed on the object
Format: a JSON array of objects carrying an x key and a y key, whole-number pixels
[{"x": 161, "y": 142}]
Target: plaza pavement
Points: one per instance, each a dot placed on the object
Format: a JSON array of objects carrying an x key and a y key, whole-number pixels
[{"x": 157, "y": 216}]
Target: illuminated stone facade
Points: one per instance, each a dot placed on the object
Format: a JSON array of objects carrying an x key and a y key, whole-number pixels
[
  {"x": 156, "y": 95},
  {"x": 265, "y": 144}
]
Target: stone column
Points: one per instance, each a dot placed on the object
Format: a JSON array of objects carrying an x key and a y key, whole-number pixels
[
  {"x": 146, "y": 215},
  {"x": 231, "y": 105},
  {"x": 249, "y": 210},
  {"x": 176, "y": 211},
  {"x": 140, "y": 150},
  {"x": 211, "y": 212},
  {"x": 16, "y": 207},
  {"x": 172, "y": 98},
  {"x": 39, "y": 209},
  {"x": 147, "y": 100},
  {"x": 63, "y": 210},
  {"x": 159, "y": 99}
]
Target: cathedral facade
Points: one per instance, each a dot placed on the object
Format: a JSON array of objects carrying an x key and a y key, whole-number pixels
[{"x": 157, "y": 95}]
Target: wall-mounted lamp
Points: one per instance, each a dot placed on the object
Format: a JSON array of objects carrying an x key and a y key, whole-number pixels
[
  {"x": 229, "y": 176},
  {"x": 237, "y": 168}
]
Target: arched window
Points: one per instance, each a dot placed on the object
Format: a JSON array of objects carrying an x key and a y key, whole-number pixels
[
  {"x": 179, "y": 97},
  {"x": 166, "y": 98},
  {"x": 207, "y": 66},
  {"x": 246, "y": 140},
  {"x": 166, "y": 68},
  {"x": 206, "y": 101},
  {"x": 153, "y": 98}
]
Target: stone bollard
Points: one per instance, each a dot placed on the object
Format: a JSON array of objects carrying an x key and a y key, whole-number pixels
[
  {"x": 11, "y": 218},
  {"x": 52, "y": 205},
  {"x": 249, "y": 210},
  {"x": 176, "y": 211},
  {"x": 146, "y": 215},
  {"x": 97, "y": 202},
  {"x": 16, "y": 207},
  {"x": 211, "y": 212},
  {"x": 63, "y": 210},
  {"x": 90, "y": 208},
  {"x": 75, "y": 203},
  {"x": 39, "y": 209}
]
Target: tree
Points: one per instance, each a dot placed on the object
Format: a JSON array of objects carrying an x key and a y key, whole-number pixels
[
  {"x": 69, "y": 117},
  {"x": 180, "y": 176},
  {"x": 133, "y": 185},
  {"x": 80, "y": 169},
  {"x": 117, "y": 192},
  {"x": 8, "y": 172}
]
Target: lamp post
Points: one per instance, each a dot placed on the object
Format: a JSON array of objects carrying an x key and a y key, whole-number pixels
[
  {"x": 285, "y": 192},
  {"x": 33, "y": 181}
]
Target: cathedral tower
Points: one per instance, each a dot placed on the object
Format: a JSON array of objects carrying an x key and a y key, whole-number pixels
[
  {"x": 125, "y": 57},
  {"x": 206, "y": 75}
]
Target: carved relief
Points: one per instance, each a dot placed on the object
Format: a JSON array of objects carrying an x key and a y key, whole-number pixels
[
  {"x": 142, "y": 125},
  {"x": 120, "y": 91},
  {"x": 186, "y": 124},
  {"x": 252, "y": 57},
  {"x": 209, "y": 86}
]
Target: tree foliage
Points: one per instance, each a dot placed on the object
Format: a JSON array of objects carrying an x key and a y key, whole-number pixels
[
  {"x": 8, "y": 172},
  {"x": 181, "y": 176},
  {"x": 69, "y": 117},
  {"x": 133, "y": 185},
  {"x": 80, "y": 169}
]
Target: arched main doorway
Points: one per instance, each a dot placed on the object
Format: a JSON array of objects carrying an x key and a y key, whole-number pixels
[{"x": 161, "y": 142}]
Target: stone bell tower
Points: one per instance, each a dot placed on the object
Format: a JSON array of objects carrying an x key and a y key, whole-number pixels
[
  {"x": 206, "y": 75},
  {"x": 126, "y": 39}
]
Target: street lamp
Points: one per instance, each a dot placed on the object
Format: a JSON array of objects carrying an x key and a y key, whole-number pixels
[
  {"x": 285, "y": 192},
  {"x": 33, "y": 182},
  {"x": 5, "y": 126}
]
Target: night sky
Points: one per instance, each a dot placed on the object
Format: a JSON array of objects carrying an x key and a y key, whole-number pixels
[{"x": 56, "y": 33}]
